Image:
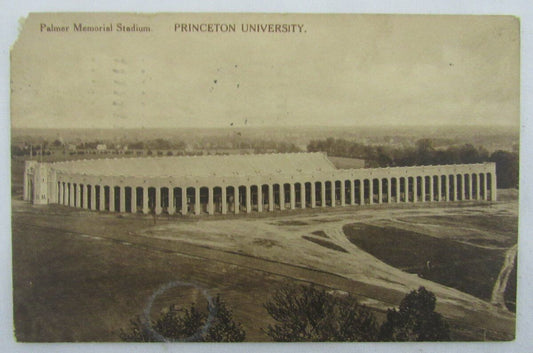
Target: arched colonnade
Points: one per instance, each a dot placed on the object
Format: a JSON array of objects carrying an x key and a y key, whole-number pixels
[{"x": 245, "y": 197}]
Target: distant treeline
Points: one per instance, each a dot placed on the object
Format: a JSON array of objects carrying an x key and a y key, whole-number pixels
[
  {"x": 160, "y": 146},
  {"x": 422, "y": 153}
]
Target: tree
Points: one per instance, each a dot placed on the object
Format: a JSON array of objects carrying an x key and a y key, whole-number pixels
[
  {"x": 416, "y": 320},
  {"x": 506, "y": 168},
  {"x": 305, "y": 314},
  {"x": 189, "y": 324},
  {"x": 425, "y": 151}
]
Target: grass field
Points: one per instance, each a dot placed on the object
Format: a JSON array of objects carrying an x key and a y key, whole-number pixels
[{"x": 465, "y": 267}]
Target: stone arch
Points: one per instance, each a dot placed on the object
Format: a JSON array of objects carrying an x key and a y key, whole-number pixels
[
  {"x": 139, "y": 201},
  {"x": 177, "y": 200},
  {"x": 348, "y": 194},
  {"x": 241, "y": 202},
  {"x": 436, "y": 188},
  {"x": 277, "y": 196},
  {"x": 328, "y": 185},
  {"x": 468, "y": 186},
  {"x": 490, "y": 187},
  {"x": 265, "y": 196},
  {"x": 444, "y": 188},
  {"x": 385, "y": 196},
  {"x": 217, "y": 200},
  {"x": 420, "y": 188},
  {"x": 367, "y": 192},
  {"x": 394, "y": 189},
  {"x": 286, "y": 195},
  {"x": 298, "y": 194},
  {"x": 318, "y": 194},
  {"x": 230, "y": 198},
  {"x": 204, "y": 199},
  {"x": 107, "y": 198},
  {"x": 452, "y": 193},
  {"x": 152, "y": 199},
  {"x": 459, "y": 187},
  {"x": 308, "y": 192},
  {"x": 359, "y": 192},
  {"x": 482, "y": 186}
]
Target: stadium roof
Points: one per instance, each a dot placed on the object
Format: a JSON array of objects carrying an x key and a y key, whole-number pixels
[{"x": 202, "y": 166}]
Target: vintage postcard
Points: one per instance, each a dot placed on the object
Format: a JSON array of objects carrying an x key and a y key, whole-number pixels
[{"x": 210, "y": 177}]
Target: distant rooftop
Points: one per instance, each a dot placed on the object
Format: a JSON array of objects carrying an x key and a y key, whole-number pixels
[{"x": 202, "y": 166}]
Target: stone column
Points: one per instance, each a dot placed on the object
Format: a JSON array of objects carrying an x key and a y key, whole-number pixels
[
  {"x": 85, "y": 204},
  {"x": 78, "y": 196},
  {"x": 210, "y": 206},
  {"x": 171, "y": 200},
  {"x": 184, "y": 204},
  {"x": 493, "y": 187},
  {"x": 282, "y": 197},
  {"x": 112, "y": 206},
  {"x": 60, "y": 201},
  {"x": 423, "y": 189},
  {"x": 371, "y": 191},
  {"x": 461, "y": 176},
  {"x": 133, "y": 199},
  {"x": 146, "y": 209},
  {"x": 69, "y": 194},
  {"x": 313, "y": 195},
  {"x": 415, "y": 189},
  {"x": 485, "y": 186},
  {"x": 469, "y": 186},
  {"x": 102, "y": 197},
  {"x": 197, "y": 208},
  {"x": 248, "y": 199},
  {"x": 303, "y": 199},
  {"x": 447, "y": 187},
  {"x": 343, "y": 193},
  {"x": 122, "y": 206},
  {"x": 389, "y": 190},
  {"x": 352, "y": 190},
  {"x": 431, "y": 189},
  {"x": 439, "y": 188},
  {"x": 259, "y": 198},
  {"x": 236, "y": 202},
  {"x": 478, "y": 187},
  {"x": 93, "y": 198},
  {"x": 362, "y": 192},
  {"x": 332, "y": 194},
  {"x": 323, "y": 194},
  {"x": 293, "y": 196},
  {"x": 454, "y": 189},
  {"x": 224, "y": 204},
  {"x": 157, "y": 200},
  {"x": 398, "y": 198},
  {"x": 380, "y": 190},
  {"x": 271, "y": 197}
]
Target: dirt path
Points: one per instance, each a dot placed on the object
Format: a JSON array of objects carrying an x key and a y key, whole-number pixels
[{"x": 498, "y": 292}]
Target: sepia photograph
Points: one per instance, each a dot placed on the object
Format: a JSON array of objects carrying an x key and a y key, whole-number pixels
[{"x": 261, "y": 177}]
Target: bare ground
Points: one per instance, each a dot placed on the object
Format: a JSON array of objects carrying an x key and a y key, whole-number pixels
[{"x": 80, "y": 275}]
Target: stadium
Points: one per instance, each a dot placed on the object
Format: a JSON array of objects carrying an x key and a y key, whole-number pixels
[{"x": 246, "y": 183}]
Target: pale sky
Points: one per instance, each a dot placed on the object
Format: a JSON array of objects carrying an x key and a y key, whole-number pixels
[{"x": 343, "y": 70}]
